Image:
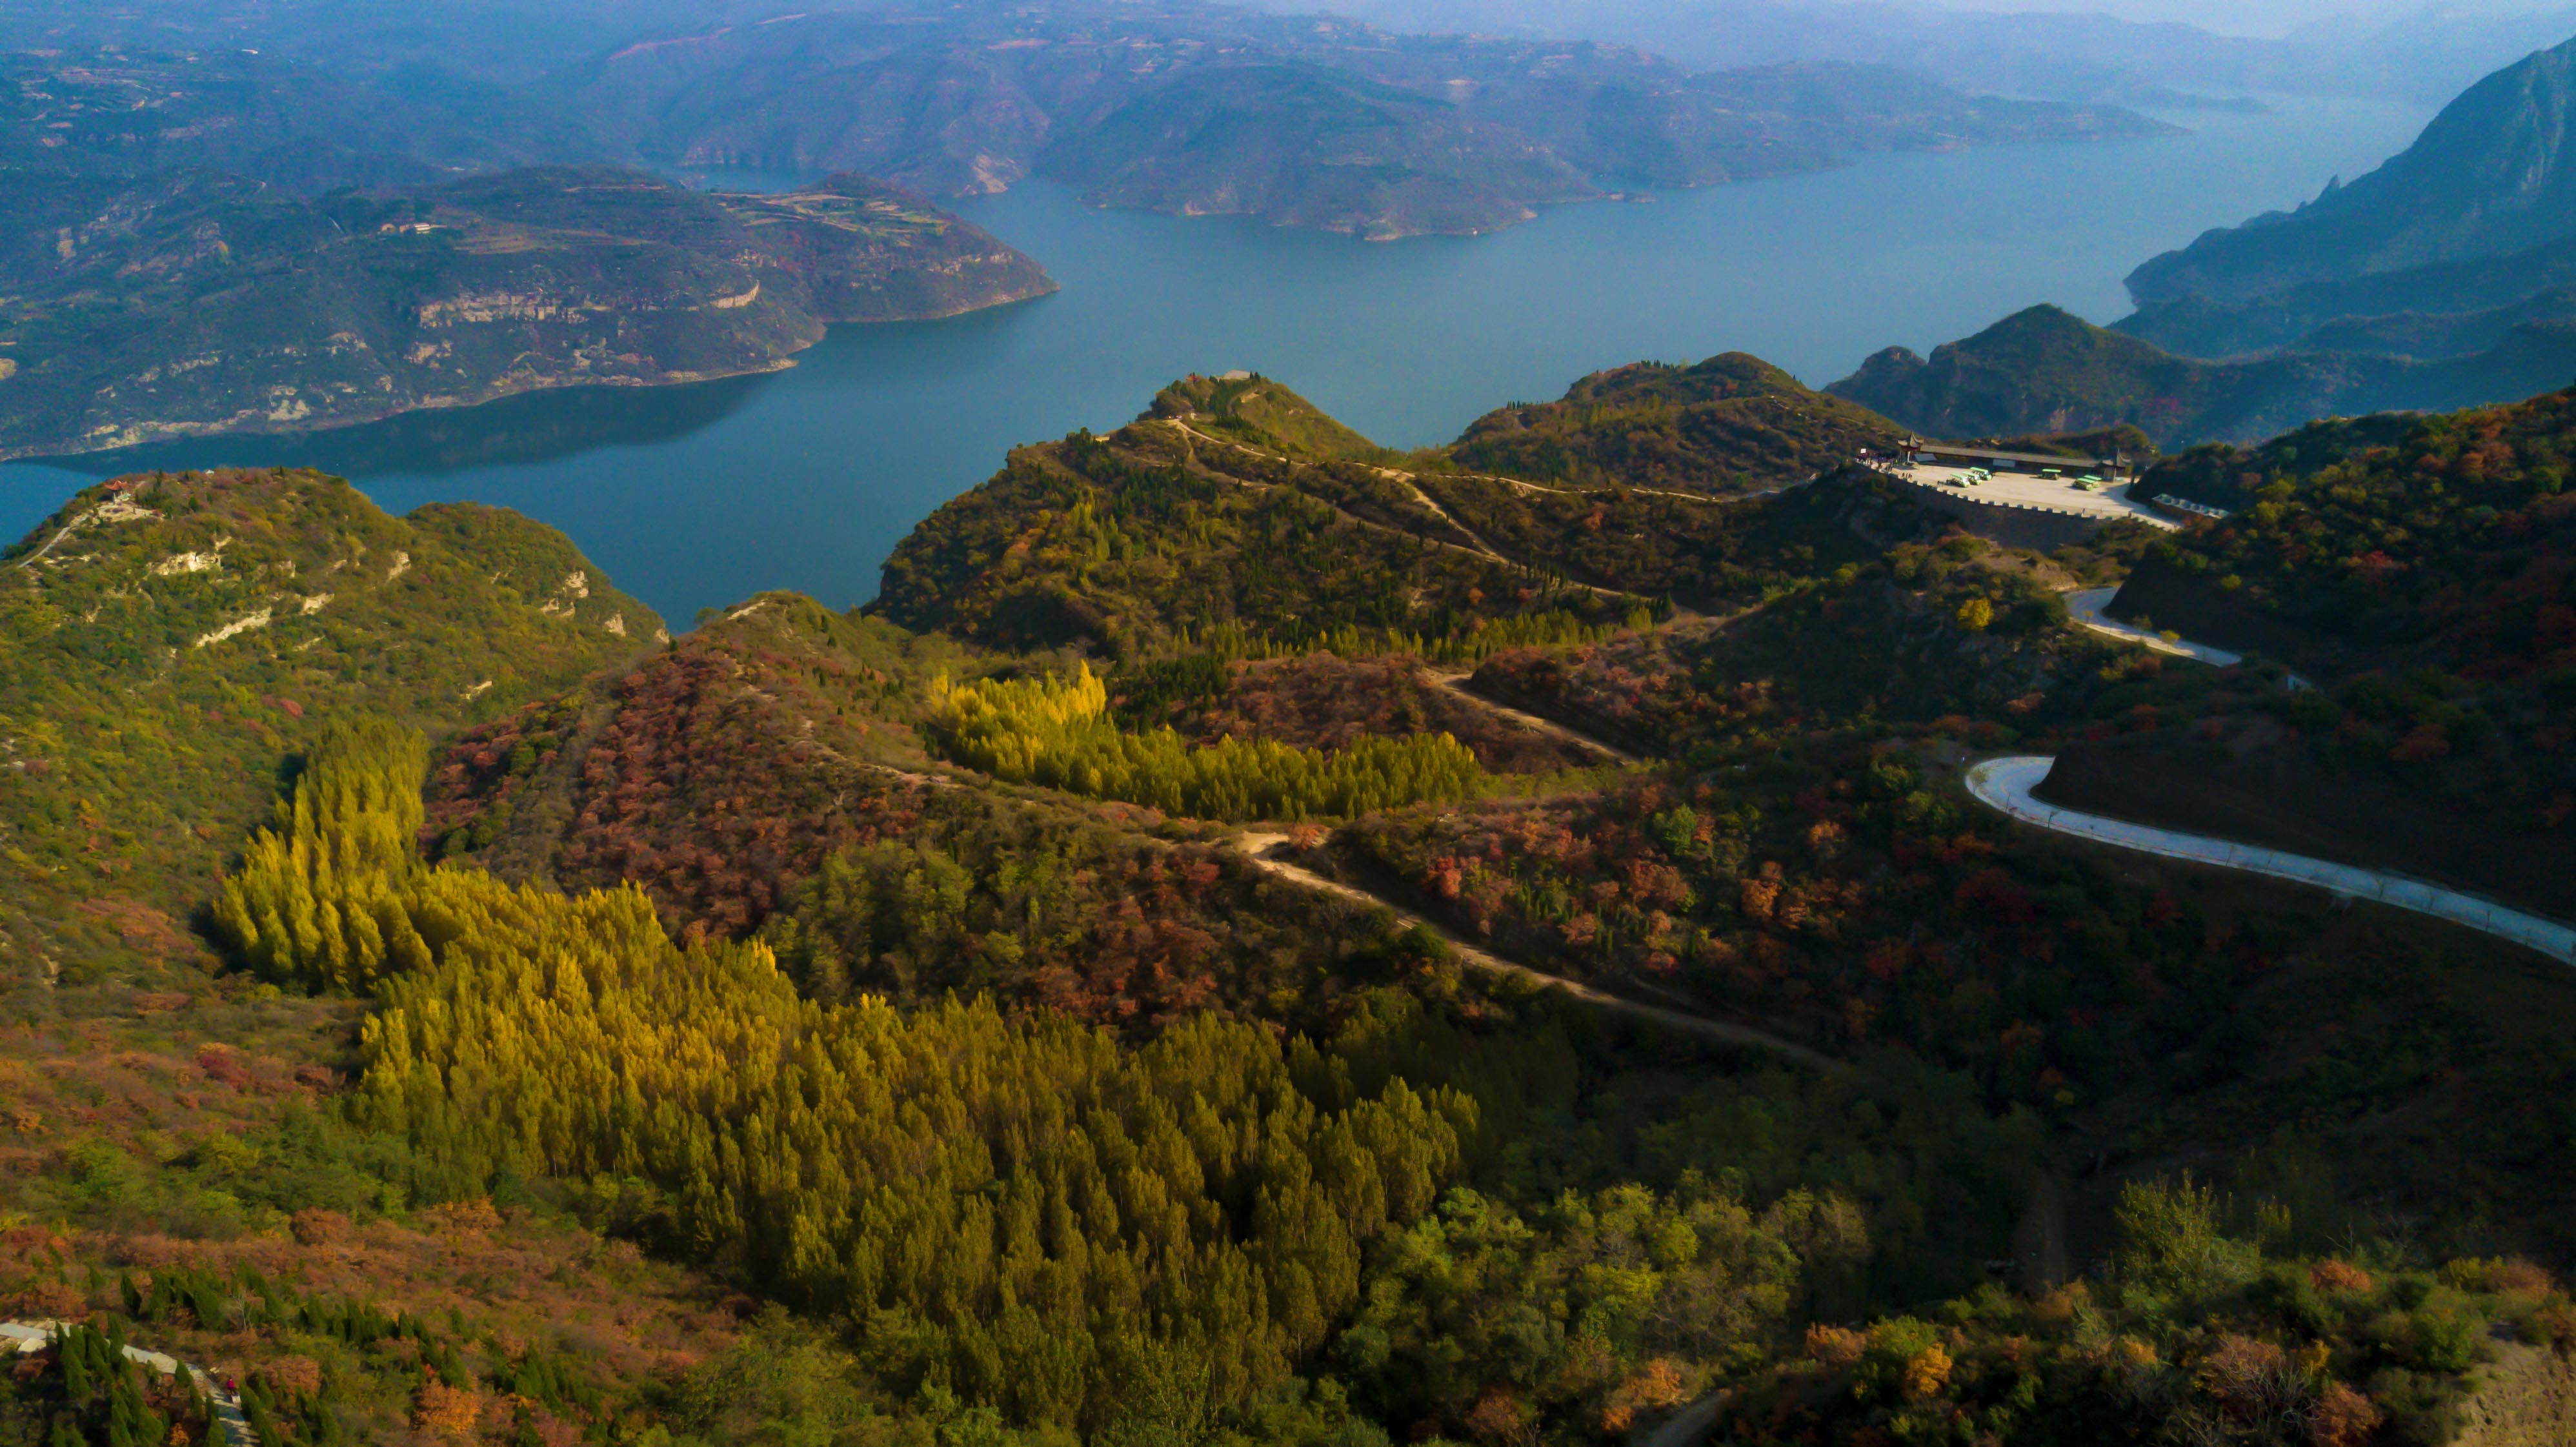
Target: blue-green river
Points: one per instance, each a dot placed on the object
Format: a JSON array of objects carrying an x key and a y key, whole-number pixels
[{"x": 694, "y": 497}]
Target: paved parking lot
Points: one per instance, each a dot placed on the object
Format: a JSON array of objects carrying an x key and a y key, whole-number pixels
[{"x": 2021, "y": 489}]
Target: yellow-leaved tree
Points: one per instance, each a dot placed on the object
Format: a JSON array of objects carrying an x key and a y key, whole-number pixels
[
  {"x": 317, "y": 899},
  {"x": 1023, "y": 1211},
  {"x": 1057, "y": 732}
]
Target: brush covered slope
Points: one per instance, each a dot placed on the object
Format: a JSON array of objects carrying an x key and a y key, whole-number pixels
[
  {"x": 185, "y": 303},
  {"x": 1316, "y": 536},
  {"x": 2419, "y": 573},
  {"x": 1732, "y": 423},
  {"x": 2047, "y": 370},
  {"x": 823, "y": 1029},
  {"x": 1224, "y": 507},
  {"x": 168, "y": 637}
]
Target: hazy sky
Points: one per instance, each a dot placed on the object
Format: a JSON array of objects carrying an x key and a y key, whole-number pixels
[{"x": 2255, "y": 17}]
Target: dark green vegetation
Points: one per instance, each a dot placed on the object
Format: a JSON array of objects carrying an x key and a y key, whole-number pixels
[
  {"x": 2204, "y": 1328},
  {"x": 929, "y": 1026},
  {"x": 159, "y": 303},
  {"x": 2045, "y": 370}
]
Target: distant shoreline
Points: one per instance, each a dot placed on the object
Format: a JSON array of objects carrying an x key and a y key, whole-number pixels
[{"x": 159, "y": 434}]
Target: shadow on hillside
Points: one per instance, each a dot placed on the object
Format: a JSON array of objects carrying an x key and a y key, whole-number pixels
[{"x": 536, "y": 427}]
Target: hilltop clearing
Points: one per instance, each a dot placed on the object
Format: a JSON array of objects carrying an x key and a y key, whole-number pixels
[{"x": 1732, "y": 423}]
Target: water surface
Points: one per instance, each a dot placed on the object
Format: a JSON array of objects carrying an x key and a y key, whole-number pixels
[{"x": 694, "y": 497}]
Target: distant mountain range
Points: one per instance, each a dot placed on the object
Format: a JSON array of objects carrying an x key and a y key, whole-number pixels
[
  {"x": 200, "y": 236},
  {"x": 2045, "y": 370},
  {"x": 2460, "y": 245},
  {"x": 2427, "y": 55},
  {"x": 1179, "y": 107},
  {"x": 454, "y": 50},
  {"x": 2488, "y": 178},
  {"x": 2446, "y": 278},
  {"x": 1316, "y": 122}
]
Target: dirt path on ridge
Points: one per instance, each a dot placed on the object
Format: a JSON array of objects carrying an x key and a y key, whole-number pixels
[{"x": 1257, "y": 847}]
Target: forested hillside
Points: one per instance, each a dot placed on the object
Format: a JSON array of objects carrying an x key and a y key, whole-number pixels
[
  {"x": 1316, "y": 537},
  {"x": 1262, "y": 939},
  {"x": 1168, "y": 530}
]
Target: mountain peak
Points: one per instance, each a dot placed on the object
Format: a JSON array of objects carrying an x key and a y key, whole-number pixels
[{"x": 2486, "y": 176}]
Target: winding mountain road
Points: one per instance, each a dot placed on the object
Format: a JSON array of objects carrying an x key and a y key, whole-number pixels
[
  {"x": 2085, "y": 606},
  {"x": 2006, "y": 784},
  {"x": 26, "y": 1338}
]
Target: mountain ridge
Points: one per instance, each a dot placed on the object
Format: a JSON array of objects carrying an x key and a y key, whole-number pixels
[
  {"x": 1326, "y": 124},
  {"x": 2045, "y": 370},
  {"x": 2489, "y": 175}
]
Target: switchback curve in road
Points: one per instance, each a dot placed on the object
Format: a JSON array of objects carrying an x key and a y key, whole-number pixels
[
  {"x": 2006, "y": 784},
  {"x": 2085, "y": 605}
]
